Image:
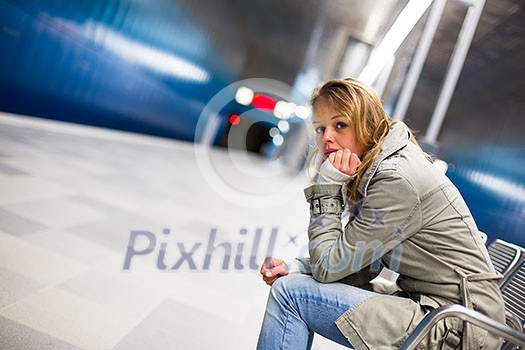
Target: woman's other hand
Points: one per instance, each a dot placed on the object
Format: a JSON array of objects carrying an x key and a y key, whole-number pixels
[
  {"x": 272, "y": 269},
  {"x": 345, "y": 161}
]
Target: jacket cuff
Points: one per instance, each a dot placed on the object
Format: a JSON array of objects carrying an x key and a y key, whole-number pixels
[
  {"x": 299, "y": 265},
  {"x": 323, "y": 189},
  {"x": 293, "y": 266},
  {"x": 325, "y": 199},
  {"x": 328, "y": 174}
]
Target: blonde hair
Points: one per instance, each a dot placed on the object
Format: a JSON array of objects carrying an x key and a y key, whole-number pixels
[{"x": 366, "y": 116}]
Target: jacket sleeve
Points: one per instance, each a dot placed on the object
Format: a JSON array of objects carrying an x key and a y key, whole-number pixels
[{"x": 389, "y": 214}]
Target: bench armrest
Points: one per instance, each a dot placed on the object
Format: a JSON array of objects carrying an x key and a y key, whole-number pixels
[{"x": 464, "y": 314}]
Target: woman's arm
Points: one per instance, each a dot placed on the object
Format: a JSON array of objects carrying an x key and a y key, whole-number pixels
[{"x": 389, "y": 214}]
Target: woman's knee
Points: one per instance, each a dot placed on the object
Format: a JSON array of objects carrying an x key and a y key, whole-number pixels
[{"x": 284, "y": 288}]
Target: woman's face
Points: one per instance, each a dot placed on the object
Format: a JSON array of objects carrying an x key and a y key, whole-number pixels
[{"x": 332, "y": 130}]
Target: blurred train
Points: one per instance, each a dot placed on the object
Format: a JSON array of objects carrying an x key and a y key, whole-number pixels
[
  {"x": 148, "y": 67},
  {"x": 132, "y": 65},
  {"x": 494, "y": 188}
]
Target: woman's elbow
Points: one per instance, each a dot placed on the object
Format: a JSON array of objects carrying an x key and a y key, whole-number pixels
[{"x": 323, "y": 274}]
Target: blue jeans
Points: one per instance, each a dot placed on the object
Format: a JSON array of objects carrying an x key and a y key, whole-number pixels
[{"x": 299, "y": 306}]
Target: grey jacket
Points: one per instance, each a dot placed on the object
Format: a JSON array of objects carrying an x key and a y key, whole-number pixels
[{"x": 413, "y": 220}]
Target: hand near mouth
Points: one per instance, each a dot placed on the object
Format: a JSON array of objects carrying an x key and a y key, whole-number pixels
[{"x": 345, "y": 161}]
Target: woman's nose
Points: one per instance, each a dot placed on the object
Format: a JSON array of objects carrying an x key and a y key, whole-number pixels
[{"x": 328, "y": 136}]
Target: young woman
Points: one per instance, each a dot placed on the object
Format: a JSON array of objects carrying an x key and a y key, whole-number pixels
[{"x": 404, "y": 214}]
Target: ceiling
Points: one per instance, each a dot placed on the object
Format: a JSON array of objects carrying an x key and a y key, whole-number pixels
[
  {"x": 278, "y": 33},
  {"x": 277, "y": 39},
  {"x": 270, "y": 39}
]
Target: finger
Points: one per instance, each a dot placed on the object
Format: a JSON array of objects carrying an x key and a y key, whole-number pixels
[
  {"x": 267, "y": 265},
  {"x": 272, "y": 272},
  {"x": 335, "y": 159},
  {"x": 345, "y": 161},
  {"x": 279, "y": 270},
  {"x": 269, "y": 281},
  {"x": 338, "y": 159},
  {"x": 331, "y": 157},
  {"x": 355, "y": 162}
]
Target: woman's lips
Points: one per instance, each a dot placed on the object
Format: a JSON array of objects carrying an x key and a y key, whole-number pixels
[{"x": 328, "y": 151}]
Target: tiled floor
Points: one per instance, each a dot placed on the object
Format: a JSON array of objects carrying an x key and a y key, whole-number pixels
[{"x": 72, "y": 199}]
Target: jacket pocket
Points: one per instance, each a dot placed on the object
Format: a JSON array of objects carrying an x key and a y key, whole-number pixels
[
  {"x": 453, "y": 334},
  {"x": 435, "y": 336},
  {"x": 384, "y": 322}
]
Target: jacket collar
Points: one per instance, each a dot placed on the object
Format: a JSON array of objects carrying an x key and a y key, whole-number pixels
[{"x": 396, "y": 139}]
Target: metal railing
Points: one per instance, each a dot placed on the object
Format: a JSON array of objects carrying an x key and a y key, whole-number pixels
[
  {"x": 504, "y": 256},
  {"x": 468, "y": 315}
]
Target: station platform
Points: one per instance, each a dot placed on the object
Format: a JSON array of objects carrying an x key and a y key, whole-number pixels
[{"x": 113, "y": 240}]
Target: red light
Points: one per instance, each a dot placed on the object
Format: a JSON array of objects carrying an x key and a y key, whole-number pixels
[
  {"x": 235, "y": 119},
  {"x": 266, "y": 103}
]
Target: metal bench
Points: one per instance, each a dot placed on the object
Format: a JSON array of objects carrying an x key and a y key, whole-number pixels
[
  {"x": 468, "y": 315},
  {"x": 509, "y": 260},
  {"x": 484, "y": 237},
  {"x": 504, "y": 256},
  {"x": 513, "y": 292}
]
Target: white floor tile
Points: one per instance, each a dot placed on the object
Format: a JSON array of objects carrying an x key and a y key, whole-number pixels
[
  {"x": 17, "y": 336},
  {"x": 40, "y": 164},
  {"x": 56, "y": 213},
  {"x": 113, "y": 292},
  {"x": 15, "y": 287},
  {"x": 35, "y": 263},
  {"x": 69, "y": 245},
  {"x": 73, "y": 319},
  {"x": 27, "y": 188}
]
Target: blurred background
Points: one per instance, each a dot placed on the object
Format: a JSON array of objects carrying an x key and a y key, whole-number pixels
[
  {"x": 235, "y": 76},
  {"x": 152, "y": 67}
]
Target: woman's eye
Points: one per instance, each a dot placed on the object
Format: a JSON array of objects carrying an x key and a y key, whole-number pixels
[
  {"x": 340, "y": 125},
  {"x": 319, "y": 130}
]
